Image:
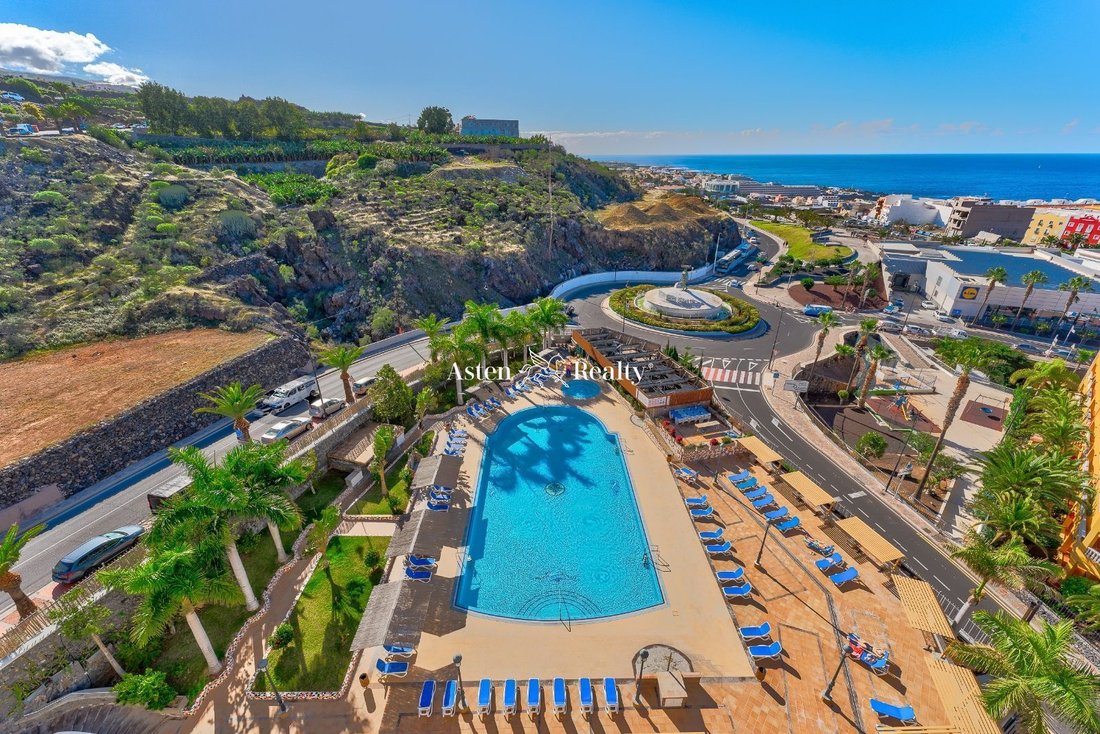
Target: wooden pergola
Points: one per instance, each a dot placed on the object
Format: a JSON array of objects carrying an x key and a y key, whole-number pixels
[
  {"x": 812, "y": 494},
  {"x": 765, "y": 456},
  {"x": 961, "y": 696},
  {"x": 871, "y": 543},
  {"x": 922, "y": 608}
]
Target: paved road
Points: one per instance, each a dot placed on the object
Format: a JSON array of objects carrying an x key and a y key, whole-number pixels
[{"x": 121, "y": 499}]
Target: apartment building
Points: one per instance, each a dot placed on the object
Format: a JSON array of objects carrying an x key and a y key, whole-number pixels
[
  {"x": 971, "y": 215},
  {"x": 1080, "y": 549},
  {"x": 1046, "y": 223}
]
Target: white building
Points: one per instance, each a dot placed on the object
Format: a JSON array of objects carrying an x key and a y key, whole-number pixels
[
  {"x": 896, "y": 207},
  {"x": 721, "y": 186}
]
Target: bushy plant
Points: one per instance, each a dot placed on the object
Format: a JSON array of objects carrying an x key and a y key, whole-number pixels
[
  {"x": 289, "y": 189},
  {"x": 53, "y": 198},
  {"x": 366, "y": 161},
  {"x": 807, "y": 283},
  {"x": 871, "y": 445},
  {"x": 149, "y": 689},
  {"x": 102, "y": 180},
  {"x": 376, "y": 575},
  {"x": 282, "y": 636},
  {"x": 167, "y": 228},
  {"x": 106, "y": 135},
  {"x": 373, "y": 558},
  {"x": 173, "y": 196},
  {"x": 1073, "y": 585},
  {"x": 34, "y": 155},
  {"x": 236, "y": 225}
]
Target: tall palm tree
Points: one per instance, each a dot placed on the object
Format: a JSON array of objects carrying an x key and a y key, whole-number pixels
[
  {"x": 969, "y": 357},
  {"x": 265, "y": 475},
  {"x": 515, "y": 330},
  {"x": 463, "y": 349},
  {"x": 79, "y": 618},
  {"x": 482, "y": 320},
  {"x": 342, "y": 357},
  {"x": 11, "y": 582},
  {"x": 1075, "y": 240},
  {"x": 431, "y": 325},
  {"x": 426, "y": 401},
  {"x": 826, "y": 321},
  {"x": 1031, "y": 670},
  {"x": 1011, "y": 516},
  {"x": 1052, "y": 479},
  {"x": 383, "y": 442},
  {"x": 175, "y": 580},
  {"x": 1030, "y": 279},
  {"x": 549, "y": 314},
  {"x": 1009, "y": 564},
  {"x": 878, "y": 353},
  {"x": 1041, "y": 374},
  {"x": 870, "y": 274},
  {"x": 1074, "y": 285},
  {"x": 234, "y": 402},
  {"x": 866, "y": 328},
  {"x": 994, "y": 277},
  {"x": 1058, "y": 418}
]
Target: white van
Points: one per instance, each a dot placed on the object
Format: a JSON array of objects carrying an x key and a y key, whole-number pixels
[{"x": 304, "y": 388}]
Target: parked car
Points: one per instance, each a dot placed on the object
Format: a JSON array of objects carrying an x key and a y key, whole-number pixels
[
  {"x": 916, "y": 330},
  {"x": 754, "y": 241},
  {"x": 360, "y": 387},
  {"x": 287, "y": 429},
  {"x": 753, "y": 267},
  {"x": 737, "y": 284},
  {"x": 892, "y": 308},
  {"x": 899, "y": 302},
  {"x": 930, "y": 305},
  {"x": 816, "y": 310},
  {"x": 957, "y": 333},
  {"x": 292, "y": 393},
  {"x": 93, "y": 553},
  {"x": 326, "y": 407},
  {"x": 1059, "y": 352},
  {"x": 944, "y": 318},
  {"x": 888, "y": 327},
  {"x": 1025, "y": 347}
]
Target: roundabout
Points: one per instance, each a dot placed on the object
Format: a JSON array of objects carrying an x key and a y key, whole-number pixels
[{"x": 682, "y": 309}]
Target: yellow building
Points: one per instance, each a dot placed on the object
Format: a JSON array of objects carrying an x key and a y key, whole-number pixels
[
  {"x": 1046, "y": 222},
  {"x": 1080, "y": 551}
]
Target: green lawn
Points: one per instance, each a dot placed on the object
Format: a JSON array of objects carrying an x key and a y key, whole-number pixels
[
  {"x": 326, "y": 490},
  {"x": 325, "y": 619},
  {"x": 799, "y": 242},
  {"x": 397, "y": 481}
]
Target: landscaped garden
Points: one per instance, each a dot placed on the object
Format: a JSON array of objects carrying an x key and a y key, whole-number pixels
[
  {"x": 800, "y": 245},
  {"x": 742, "y": 316},
  {"x": 397, "y": 484}
]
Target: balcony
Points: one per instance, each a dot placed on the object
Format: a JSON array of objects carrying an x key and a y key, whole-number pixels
[{"x": 1093, "y": 555}]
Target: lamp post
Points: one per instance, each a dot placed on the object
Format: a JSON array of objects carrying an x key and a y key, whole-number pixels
[
  {"x": 827, "y": 694},
  {"x": 902, "y": 400},
  {"x": 461, "y": 692},
  {"x": 642, "y": 656},
  {"x": 760, "y": 553},
  {"x": 261, "y": 666},
  {"x": 775, "y": 340}
]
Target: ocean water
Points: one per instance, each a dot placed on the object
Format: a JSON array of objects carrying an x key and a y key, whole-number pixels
[
  {"x": 555, "y": 532},
  {"x": 1000, "y": 176}
]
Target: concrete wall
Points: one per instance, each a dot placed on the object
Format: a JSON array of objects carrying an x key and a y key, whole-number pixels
[
  {"x": 113, "y": 444},
  {"x": 622, "y": 276}
]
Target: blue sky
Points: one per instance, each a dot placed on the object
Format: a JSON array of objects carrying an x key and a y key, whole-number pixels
[{"x": 619, "y": 77}]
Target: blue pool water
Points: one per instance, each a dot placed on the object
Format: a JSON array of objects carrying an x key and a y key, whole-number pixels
[
  {"x": 555, "y": 532},
  {"x": 581, "y": 389}
]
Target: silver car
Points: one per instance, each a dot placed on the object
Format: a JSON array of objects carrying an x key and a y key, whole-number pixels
[
  {"x": 325, "y": 408},
  {"x": 287, "y": 429}
]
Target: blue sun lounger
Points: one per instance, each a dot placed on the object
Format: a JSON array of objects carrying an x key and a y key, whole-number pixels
[
  {"x": 739, "y": 476},
  {"x": 470, "y": 412},
  {"x": 747, "y": 484},
  {"x": 448, "y": 452},
  {"x": 766, "y": 501},
  {"x": 439, "y": 497},
  {"x": 560, "y": 702},
  {"x": 710, "y": 534},
  {"x": 879, "y": 666},
  {"x": 438, "y": 506},
  {"x": 695, "y": 501},
  {"x": 786, "y": 525},
  {"x": 586, "y": 697},
  {"x": 904, "y": 714},
  {"x": 688, "y": 475},
  {"x": 744, "y": 591},
  {"x": 386, "y": 669},
  {"x": 534, "y": 698},
  {"x": 719, "y": 548},
  {"x": 450, "y": 698},
  {"x": 779, "y": 514},
  {"x": 756, "y": 632},
  {"x": 427, "y": 698},
  {"x": 508, "y": 703},
  {"x": 701, "y": 513},
  {"x": 399, "y": 651},
  {"x": 756, "y": 493},
  {"x": 826, "y": 563},
  {"x": 458, "y": 432},
  {"x": 413, "y": 574},
  {"x": 420, "y": 562},
  {"x": 844, "y": 577},
  {"x": 485, "y": 697},
  {"x": 728, "y": 577},
  {"x": 611, "y": 703},
  {"x": 766, "y": 652}
]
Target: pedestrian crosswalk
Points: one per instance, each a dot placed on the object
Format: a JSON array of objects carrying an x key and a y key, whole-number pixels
[{"x": 731, "y": 376}]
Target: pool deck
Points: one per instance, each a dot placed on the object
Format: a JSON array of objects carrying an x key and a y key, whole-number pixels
[{"x": 498, "y": 648}]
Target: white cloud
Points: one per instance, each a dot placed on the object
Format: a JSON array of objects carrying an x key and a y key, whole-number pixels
[
  {"x": 1071, "y": 126},
  {"x": 115, "y": 74},
  {"x": 26, "y": 48}
]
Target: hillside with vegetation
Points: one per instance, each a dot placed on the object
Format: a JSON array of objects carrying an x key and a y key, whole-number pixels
[{"x": 259, "y": 213}]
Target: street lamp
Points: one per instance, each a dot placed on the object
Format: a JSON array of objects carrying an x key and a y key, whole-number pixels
[
  {"x": 759, "y": 553},
  {"x": 261, "y": 667},
  {"x": 461, "y": 691},
  {"x": 643, "y": 656},
  {"x": 827, "y": 694},
  {"x": 775, "y": 340}
]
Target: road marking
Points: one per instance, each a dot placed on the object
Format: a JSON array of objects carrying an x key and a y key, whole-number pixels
[
  {"x": 778, "y": 427},
  {"x": 941, "y": 582},
  {"x": 903, "y": 548},
  {"x": 854, "y": 495},
  {"x": 917, "y": 560}
]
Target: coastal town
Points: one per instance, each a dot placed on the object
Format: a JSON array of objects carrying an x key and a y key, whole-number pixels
[{"x": 455, "y": 421}]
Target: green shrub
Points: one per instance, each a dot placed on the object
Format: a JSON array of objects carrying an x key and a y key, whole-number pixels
[
  {"x": 106, "y": 135},
  {"x": 1073, "y": 585},
  {"x": 376, "y": 575},
  {"x": 44, "y": 245},
  {"x": 282, "y": 636},
  {"x": 366, "y": 161},
  {"x": 149, "y": 689},
  {"x": 102, "y": 180},
  {"x": 132, "y": 656},
  {"x": 289, "y": 189},
  {"x": 871, "y": 445},
  {"x": 173, "y": 196},
  {"x": 167, "y": 228},
  {"x": 34, "y": 155},
  {"x": 53, "y": 198},
  {"x": 373, "y": 558},
  {"x": 807, "y": 283},
  {"x": 236, "y": 224}
]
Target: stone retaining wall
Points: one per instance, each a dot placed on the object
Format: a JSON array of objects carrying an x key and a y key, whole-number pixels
[{"x": 113, "y": 444}]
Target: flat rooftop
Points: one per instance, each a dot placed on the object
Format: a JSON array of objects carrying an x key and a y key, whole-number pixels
[
  {"x": 660, "y": 375},
  {"x": 975, "y": 262}
]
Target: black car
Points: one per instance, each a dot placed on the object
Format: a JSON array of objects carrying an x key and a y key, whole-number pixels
[{"x": 94, "y": 553}]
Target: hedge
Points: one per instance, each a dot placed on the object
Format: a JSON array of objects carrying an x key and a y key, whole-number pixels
[{"x": 743, "y": 316}]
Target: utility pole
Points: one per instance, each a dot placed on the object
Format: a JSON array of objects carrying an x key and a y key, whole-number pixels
[
  {"x": 775, "y": 340},
  {"x": 550, "y": 189},
  {"x": 716, "y": 245}
]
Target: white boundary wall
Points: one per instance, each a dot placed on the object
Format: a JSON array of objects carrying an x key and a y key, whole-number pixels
[{"x": 622, "y": 276}]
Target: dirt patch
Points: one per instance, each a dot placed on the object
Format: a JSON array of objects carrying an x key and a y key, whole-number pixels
[
  {"x": 656, "y": 211},
  {"x": 837, "y": 297},
  {"x": 49, "y": 397},
  {"x": 984, "y": 415}
]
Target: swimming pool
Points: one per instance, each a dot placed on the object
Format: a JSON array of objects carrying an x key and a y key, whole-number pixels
[
  {"x": 581, "y": 389},
  {"x": 555, "y": 532}
]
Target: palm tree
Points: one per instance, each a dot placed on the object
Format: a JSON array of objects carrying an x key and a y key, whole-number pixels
[
  {"x": 994, "y": 277},
  {"x": 1009, "y": 564},
  {"x": 483, "y": 320},
  {"x": 383, "y": 442},
  {"x": 320, "y": 534},
  {"x": 1042, "y": 374},
  {"x": 11, "y": 582},
  {"x": 826, "y": 321},
  {"x": 266, "y": 475},
  {"x": 1074, "y": 285},
  {"x": 462, "y": 349},
  {"x": 426, "y": 402},
  {"x": 342, "y": 357},
  {"x": 969, "y": 356},
  {"x": 515, "y": 330},
  {"x": 78, "y": 617},
  {"x": 1010, "y": 516},
  {"x": 1054, "y": 480},
  {"x": 869, "y": 275},
  {"x": 1059, "y": 419},
  {"x": 549, "y": 315},
  {"x": 175, "y": 580},
  {"x": 843, "y": 351},
  {"x": 432, "y": 326},
  {"x": 878, "y": 353},
  {"x": 853, "y": 270},
  {"x": 234, "y": 402},
  {"x": 1075, "y": 240},
  {"x": 1031, "y": 670},
  {"x": 1086, "y": 606},
  {"x": 1031, "y": 279},
  {"x": 866, "y": 328}
]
